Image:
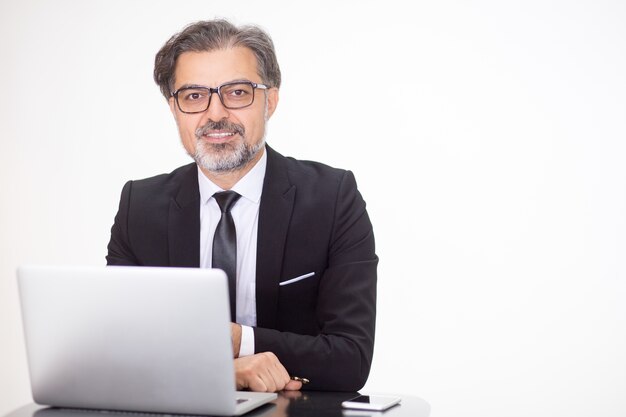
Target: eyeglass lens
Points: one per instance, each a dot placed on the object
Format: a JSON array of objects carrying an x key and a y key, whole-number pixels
[{"x": 233, "y": 96}]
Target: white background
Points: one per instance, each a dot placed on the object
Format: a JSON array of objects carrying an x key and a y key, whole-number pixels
[{"x": 487, "y": 137}]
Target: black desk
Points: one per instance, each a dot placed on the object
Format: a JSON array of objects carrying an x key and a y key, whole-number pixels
[{"x": 294, "y": 404}]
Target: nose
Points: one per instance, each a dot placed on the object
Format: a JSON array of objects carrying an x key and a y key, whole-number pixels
[{"x": 216, "y": 110}]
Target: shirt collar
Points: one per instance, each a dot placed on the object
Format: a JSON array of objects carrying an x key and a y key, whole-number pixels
[{"x": 249, "y": 187}]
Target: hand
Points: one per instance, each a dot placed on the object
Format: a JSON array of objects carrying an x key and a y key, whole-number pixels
[
  {"x": 263, "y": 372},
  {"x": 235, "y": 334}
]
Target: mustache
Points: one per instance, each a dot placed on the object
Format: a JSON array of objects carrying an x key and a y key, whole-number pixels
[{"x": 221, "y": 125}]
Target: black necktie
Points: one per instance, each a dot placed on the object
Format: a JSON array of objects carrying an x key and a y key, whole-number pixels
[{"x": 225, "y": 244}]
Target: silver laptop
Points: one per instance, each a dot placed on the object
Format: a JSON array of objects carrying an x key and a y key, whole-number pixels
[{"x": 131, "y": 338}]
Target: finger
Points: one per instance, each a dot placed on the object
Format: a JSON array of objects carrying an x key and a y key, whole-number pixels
[
  {"x": 265, "y": 370},
  {"x": 281, "y": 376},
  {"x": 277, "y": 374},
  {"x": 257, "y": 384},
  {"x": 291, "y": 395},
  {"x": 270, "y": 370},
  {"x": 293, "y": 386}
]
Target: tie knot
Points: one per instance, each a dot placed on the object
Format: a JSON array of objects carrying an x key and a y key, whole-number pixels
[{"x": 226, "y": 200}]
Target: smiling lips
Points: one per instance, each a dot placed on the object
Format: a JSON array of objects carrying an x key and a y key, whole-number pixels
[
  {"x": 218, "y": 135},
  {"x": 219, "y": 132}
]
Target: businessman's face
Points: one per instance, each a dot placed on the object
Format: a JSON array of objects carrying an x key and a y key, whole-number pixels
[{"x": 221, "y": 139}]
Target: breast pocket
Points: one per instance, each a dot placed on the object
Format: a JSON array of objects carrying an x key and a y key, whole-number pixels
[
  {"x": 296, "y": 279},
  {"x": 297, "y": 303}
]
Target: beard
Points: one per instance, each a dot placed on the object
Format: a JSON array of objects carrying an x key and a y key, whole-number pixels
[{"x": 224, "y": 157}]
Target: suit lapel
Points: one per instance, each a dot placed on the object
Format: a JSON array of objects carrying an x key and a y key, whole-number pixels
[
  {"x": 274, "y": 217},
  {"x": 184, "y": 222}
]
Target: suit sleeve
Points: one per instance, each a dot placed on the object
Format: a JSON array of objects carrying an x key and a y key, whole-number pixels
[
  {"x": 340, "y": 356},
  {"x": 119, "y": 252}
]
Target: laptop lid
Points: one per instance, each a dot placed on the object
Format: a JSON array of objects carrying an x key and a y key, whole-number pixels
[{"x": 129, "y": 338}]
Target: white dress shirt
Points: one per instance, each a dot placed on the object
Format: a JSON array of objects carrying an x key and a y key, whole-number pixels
[{"x": 245, "y": 214}]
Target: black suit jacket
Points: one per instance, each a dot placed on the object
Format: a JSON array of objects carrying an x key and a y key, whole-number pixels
[{"x": 311, "y": 219}]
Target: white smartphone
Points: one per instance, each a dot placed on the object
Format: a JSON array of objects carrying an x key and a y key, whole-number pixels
[{"x": 371, "y": 402}]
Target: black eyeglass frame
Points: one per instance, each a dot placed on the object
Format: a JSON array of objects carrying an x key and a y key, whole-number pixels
[{"x": 218, "y": 91}]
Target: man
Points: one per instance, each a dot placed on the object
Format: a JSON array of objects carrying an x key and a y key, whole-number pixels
[{"x": 293, "y": 236}]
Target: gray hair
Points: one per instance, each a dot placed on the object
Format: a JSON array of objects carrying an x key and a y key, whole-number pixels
[{"x": 211, "y": 35}]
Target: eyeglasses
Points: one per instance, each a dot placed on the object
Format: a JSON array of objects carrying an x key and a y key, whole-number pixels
[{"x": 233, "y": 95}]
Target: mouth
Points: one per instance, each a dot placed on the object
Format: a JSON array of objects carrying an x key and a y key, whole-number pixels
[
  {"x": 221, "y": 132},
  {"x": 218, "y": 136}
]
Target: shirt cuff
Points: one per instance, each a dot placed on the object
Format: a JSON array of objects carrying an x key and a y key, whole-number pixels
[{"x": 247, "y": 341}]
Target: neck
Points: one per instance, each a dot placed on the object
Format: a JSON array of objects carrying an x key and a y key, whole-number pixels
[{"x": 227, "y": 180}]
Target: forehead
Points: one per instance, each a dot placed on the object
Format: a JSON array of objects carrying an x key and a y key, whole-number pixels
[{"x": 215, "y": 67}]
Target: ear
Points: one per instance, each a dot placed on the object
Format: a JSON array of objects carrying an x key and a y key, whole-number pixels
[
  {"x": 272, "y": 101},
  {"x": 172, "y": 102},
  {"x": 174, "y": 109}
]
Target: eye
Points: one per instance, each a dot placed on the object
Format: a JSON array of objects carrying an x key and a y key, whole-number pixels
[
  {"x": 237, "y": 91},
  {"x": 192, "y": 94}
]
